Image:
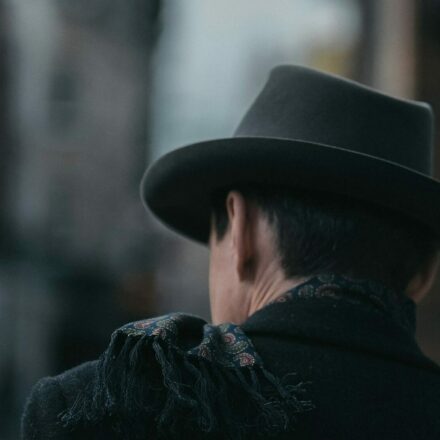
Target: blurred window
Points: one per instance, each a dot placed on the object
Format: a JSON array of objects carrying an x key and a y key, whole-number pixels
[{"x": 214, "y": 56}]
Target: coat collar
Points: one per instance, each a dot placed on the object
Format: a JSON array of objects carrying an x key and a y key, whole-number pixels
[{"x": 353, "y": 314}]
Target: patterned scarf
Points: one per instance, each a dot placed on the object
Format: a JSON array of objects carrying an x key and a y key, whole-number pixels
[
  {"x": 369, "y": 294},
  {"x": 167, "y": 376}
]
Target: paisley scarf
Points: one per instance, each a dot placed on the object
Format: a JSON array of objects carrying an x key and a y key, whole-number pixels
[
  {"x": 368, "y": 294},
  {"x": 172, "y": 375}
]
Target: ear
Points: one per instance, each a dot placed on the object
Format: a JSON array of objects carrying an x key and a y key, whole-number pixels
[
  {"x": 422, "y": 282},
  {"x": 241, "y": 234}
]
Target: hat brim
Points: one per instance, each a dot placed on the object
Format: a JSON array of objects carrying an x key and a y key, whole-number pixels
[{"x": 177, "y": 188}]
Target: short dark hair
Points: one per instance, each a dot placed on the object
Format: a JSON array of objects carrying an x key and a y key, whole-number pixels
[{"x": 318, "y": 232}]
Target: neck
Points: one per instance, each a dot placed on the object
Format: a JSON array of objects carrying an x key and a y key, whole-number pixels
[{"x": 271, "y": 284}]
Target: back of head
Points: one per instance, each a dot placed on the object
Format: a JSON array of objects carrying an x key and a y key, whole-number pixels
[{"x": 318, "y": 232}]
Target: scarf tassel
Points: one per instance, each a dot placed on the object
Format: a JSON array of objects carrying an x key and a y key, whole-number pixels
[{"x": 145, "y": 385}]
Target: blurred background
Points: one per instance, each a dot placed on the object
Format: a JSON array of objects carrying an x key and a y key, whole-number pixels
[{"x": 92, "y": 91}]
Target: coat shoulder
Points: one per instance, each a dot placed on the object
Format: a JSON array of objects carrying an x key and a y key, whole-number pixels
[{"x": 48, "y": 399}]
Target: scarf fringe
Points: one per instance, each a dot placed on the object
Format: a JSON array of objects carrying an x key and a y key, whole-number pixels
[{"x": 145, "y": 385}]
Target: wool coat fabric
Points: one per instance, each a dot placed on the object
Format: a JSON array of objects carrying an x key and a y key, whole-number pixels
[{"x": 361, "y": 368}]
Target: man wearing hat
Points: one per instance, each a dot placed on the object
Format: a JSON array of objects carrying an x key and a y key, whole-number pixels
[{"x": 322, "y": 219}]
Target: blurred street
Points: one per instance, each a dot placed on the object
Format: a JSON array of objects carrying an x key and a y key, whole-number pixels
[{"x": 92, "y": 91}]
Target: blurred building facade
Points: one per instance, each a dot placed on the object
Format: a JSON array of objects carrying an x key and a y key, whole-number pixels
[
  {"x": 90, "y": 92},
  {"x": 77, "y": 245}
]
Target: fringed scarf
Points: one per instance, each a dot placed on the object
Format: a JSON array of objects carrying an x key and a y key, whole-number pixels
[
  {"x": 153, "y": 382},
  {"x": 176, "y": 376}
]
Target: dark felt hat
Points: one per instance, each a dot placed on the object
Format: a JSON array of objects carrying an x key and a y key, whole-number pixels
[{"x": 311, "y": 130}]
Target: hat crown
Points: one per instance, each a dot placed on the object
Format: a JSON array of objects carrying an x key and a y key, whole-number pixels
[{"x": 299, "y": 103}]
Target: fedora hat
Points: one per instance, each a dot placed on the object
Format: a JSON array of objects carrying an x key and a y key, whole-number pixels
[{"x": 306, "y": 129}]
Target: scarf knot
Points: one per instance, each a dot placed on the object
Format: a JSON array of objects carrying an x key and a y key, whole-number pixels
[{"x": 175, "y": 375}]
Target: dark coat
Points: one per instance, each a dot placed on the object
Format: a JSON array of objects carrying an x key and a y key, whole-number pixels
[{"x": 365, "y": 375}]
